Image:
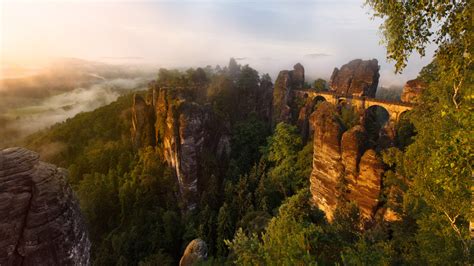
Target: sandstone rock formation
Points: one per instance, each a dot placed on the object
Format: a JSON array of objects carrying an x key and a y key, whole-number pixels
[
  {"x": 353, "y": 144},
  {"x": 343, "y": 168},
  {"x": 40, "y": 220},
  {"x": 412, "y": 91},
  {"x": 195, "y": 252},
  {"x": 142, "y": 123},
  {"x": 365, "y": 188},
  {"x": 297, "y": 76},
  {"x": 286, "y": 81},
  {"x": 184, "y": 130},
  {"x": 186, "y": 135},
  {"x": 328, "y": 169},
  {"x": 358, "y": 77},
  {"x": 304, "y": 116}
]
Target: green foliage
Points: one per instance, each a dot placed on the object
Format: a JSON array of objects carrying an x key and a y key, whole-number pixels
[
  {"x": 176, "y": 78},
  {"x": 320, "y": 85},
  {"x": 248, "y": 136},
  {"x": 438, "y": 164},
  {"x": 225, "y": 229},
  {"x": 364, "y": 252},
  {"x": 90, "y": 142},
  {"x": 348, "y": 117},
  {"x": 410, "y": 26},
  {"x": 390, "y": 94},
  {"x": 287, "y": 240},
  {"x": 289, "y": 161},
  {"x": 405, "y": 132}
]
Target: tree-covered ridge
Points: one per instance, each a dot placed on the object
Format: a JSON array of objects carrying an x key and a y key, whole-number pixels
[{"x": 259, "y": 211}]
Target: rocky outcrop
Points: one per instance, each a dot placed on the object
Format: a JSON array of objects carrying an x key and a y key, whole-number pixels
[
  {"x": 412, "y": 91},
  {"x": 286, "y": 81},
  {"x": 327, "y": 170},
  {"x": 304, "y": 116},
  {"x": 143, "y": 119},
  {"x": 343, "y": 168},
  {"x": 297, "y": 76},
  {"x": 281, "y": 111},
  {"x": 186, "y": 135},
  {"x": 195, "y": 252},
  {"x": 264, "y": 99},
  {"x": 187, "y": 132},
  {"x": 366, "y": 187},
  {"x": 40, "y": 220},
  {"x": 353, "y": 144},
  {"x": 358, "y": 77}
]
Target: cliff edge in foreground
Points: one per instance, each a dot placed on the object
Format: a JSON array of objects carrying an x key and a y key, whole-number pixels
[{"x": 40, "y": 219}]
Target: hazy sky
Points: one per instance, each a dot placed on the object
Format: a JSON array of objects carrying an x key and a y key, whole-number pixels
[{"x": 268, "y": 35}]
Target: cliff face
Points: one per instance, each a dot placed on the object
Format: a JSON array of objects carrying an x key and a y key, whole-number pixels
[
  {"x": 184, "y": 130},
  {"x": 358, "y": 77},
  {"x": 342, "y": 165},
  {"x": 282, "y": 93},
  {"x": 187, "y": 133},
  {"x": 40, "y": 220},
  {"x": 412, "y": 91},
  {"x": 142, "y": 123},
  {"x": 328, "y": 169}
]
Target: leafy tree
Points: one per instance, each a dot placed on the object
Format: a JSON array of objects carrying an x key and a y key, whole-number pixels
[
  {"x": 288, "y": 240},
  {"x": 320, "y": 85},
  {"x": 282, "y": 151},
  {"x": 248, "y": 136},
  {"x": 225, "y": 229},
  {"x": 233, "y": 69},
  {"x": 438, "y": 164},
  {"x": 348, "y": 117}
]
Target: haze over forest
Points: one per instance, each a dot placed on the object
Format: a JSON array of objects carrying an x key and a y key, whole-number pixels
[
  {"x": 208, "y": 132},
  {"x": 268, "y": 35}
]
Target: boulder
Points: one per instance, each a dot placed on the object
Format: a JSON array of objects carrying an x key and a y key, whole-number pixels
[
  {"x": 195, "y": 252},
  {"x": 358, "y": 78},
  {"x": 40, "y": 219}
]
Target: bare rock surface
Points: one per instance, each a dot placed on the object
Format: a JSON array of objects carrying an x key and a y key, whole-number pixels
[
  {"x": 286, "y": 81},
  {"x": 343, "y": 168},
  {"x": 40, "y": 219},
  {"x": 185, "y": 130},
  {"x": 358, "y": 77},
  {"x": 412, "y": 91},
  {"x": 327, "y": 162},
  {"x": 195, "y": 252},
  {"x": 365, "y": 189}
]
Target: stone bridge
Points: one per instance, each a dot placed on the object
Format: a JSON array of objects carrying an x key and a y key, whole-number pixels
[{"x": 394, "y": 109}]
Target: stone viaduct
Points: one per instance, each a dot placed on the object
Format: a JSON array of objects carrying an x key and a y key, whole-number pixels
[{"x": 394, "y": 109}]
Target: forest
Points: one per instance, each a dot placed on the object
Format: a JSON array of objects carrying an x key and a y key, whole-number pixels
[{"x": 256, "y": 208}]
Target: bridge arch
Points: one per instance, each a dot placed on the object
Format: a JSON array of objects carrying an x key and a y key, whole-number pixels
[
  {"x": 342, "y": 101},
  {"x": 319, "y": 98},
  {"x": 375, "y": 118},
  {"x": 405, "y": 130}
]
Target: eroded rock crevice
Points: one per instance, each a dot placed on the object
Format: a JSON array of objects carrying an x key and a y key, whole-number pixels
[{"x": 40, "y": 219}]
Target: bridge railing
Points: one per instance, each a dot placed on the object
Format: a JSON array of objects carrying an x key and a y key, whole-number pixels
[{"x": 349, "y": 97}]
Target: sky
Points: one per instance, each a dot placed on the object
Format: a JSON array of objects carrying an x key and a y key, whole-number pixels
[{"x": 267, "y": 35}]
